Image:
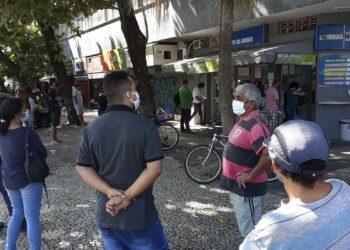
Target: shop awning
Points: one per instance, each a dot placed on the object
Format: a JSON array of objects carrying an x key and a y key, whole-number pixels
[
  {"x": 242, "y": 57},
  {"x": 193, "y": 66}
]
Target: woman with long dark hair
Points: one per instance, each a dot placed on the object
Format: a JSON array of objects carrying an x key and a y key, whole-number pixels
[{"x": 25, "y": 196}]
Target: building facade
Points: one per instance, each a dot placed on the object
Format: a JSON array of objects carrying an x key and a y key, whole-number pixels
[{"x": 275, "y": 40}]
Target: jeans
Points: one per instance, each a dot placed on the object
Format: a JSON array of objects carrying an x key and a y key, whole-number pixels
[
  {"x": 198, "y": 109},
  {"x": 151, "y": 238},
  {"x": 26, "y": 203},
  {"x": 185, "y": 119},
  {"x": 248, "y": 211}
]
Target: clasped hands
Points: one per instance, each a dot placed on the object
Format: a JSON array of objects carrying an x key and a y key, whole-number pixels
[{"x": 117, "y": 201}]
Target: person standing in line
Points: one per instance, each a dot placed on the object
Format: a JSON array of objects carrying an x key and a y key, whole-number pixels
[
  {"x": 25, "y": 196},
  {"x": 245, "y": 161},
  {"x": 185, "y": 105},
  {"x": 31, "y": 110},
  {"x": 101, "y": 102},
  {"x": 316, "y": 214},
  {"x": 291, "y": 101},
  {"x": 272, "y": 105},
  {"x": 53, "y": 101},
  {"x": 121, "y": 156},
  {"x": 78, "y": 103},
  {"x": 198, "y": 99}
]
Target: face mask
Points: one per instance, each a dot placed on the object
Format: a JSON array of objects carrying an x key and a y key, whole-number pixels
[
  {"x": 137, "y": 101},
  {"x": 238, "y": 107}
]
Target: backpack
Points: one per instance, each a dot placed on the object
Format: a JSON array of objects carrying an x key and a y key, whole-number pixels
[
  {"x": 35, "y": 166},
  {"x": 176, "y": 99}
]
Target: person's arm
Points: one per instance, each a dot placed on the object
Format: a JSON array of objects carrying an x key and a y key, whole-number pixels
[
  {"x": 263, "y": 165},
  {"x": 92, "y": 179},
  {"x": 86, "y": 171},
  {"x": 297, "y": 93},
  {"x": 142, "y": 183},
  {"x": 35, "y": 143}
]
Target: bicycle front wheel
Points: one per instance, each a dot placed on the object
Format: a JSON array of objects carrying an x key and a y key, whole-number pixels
[
  {"x": 203, "y": 166},
  {"x": 168, "y": 136}
]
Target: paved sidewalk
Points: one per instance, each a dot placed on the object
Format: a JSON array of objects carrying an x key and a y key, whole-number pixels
[{"x": 194, "y": 216}]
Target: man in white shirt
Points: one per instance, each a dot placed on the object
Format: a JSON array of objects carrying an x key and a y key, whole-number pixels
[
  {"x": 78, "y": 103},
  {"x": 198, "y": 99},
  {"x": 316, "y": 214}
]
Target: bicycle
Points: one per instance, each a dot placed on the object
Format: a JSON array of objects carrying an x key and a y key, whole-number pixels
[
  {"x": 203, "y": 163},
  {"x": 169, "y": 135}
]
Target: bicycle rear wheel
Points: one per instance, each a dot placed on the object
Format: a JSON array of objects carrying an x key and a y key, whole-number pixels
[
  {"x": 200, "y": 171},
  {"x": 168, "y": 136}
]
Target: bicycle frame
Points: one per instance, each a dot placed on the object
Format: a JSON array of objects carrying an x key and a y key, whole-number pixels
[{"x": 217, "y": 138}]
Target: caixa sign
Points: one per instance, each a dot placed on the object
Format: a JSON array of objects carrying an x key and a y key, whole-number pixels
[
  {"x": 249, "y": 37},
  {"x": 332, "y": 37}
]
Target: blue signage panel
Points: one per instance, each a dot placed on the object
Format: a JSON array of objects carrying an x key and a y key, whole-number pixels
[
  {"x": 334, "y": 70},
  {"x": 332, "y": 37},
  {"x": 250, "y": 36}
]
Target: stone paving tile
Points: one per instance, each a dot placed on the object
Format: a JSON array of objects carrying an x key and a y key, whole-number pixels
[{"x": 194, "y": 216}]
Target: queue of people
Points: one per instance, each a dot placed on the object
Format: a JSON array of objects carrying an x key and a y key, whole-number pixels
[{"x": 120, "y": 156}]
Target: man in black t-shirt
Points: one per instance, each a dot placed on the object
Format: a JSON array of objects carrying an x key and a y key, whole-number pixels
[
  {"x": 101, "y": 102},
  {"x": 121, "y": 156},
  {"x": 53, "y": 102}
]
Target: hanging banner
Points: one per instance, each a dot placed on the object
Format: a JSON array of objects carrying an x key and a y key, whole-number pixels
[
  {"x": 114, "y": 60},
  {"x": 295, "y": 59},
  {"x": 334, "y": 70}
]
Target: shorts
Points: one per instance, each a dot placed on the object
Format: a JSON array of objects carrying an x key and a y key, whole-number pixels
[
  {"x": 79, "y": 109},
  {"x": 56, "y": 118},
  {"x": 272, "y": 117}
]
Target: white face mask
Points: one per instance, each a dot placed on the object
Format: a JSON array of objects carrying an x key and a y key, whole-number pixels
[
  {"x": 238, "y": 107},
  {"x": 137, "y": 101}
]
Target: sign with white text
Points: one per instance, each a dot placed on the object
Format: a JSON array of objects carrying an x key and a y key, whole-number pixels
[{"x": 250, "y": 36}]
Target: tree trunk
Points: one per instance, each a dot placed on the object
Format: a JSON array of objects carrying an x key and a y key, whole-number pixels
[
  {"x": 59, "y": 68},
  {"x": 136, "y": 42},
  {"x": 13, "y": 68},
  {"x": 225, "y": 48}
]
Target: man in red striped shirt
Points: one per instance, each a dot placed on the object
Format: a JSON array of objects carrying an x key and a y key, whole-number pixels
[{"x": 245, "y": 160}]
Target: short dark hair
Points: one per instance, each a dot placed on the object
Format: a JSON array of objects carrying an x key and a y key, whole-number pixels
[
  {"x": 116, "y": 84},
  {"x": 185, "y": 81},
  {"x": 8, "y": 110},
  {"x": 307, "y": 179},
  {"x": 200, "y": 85}
]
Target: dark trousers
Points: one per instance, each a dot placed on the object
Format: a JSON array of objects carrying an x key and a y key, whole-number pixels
[
  {"x": 198, "y": 109},
  {"x": 185, "y": 119},
  {"x": 5, "y": 196},
  {"x": 290, "y": 113}
]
